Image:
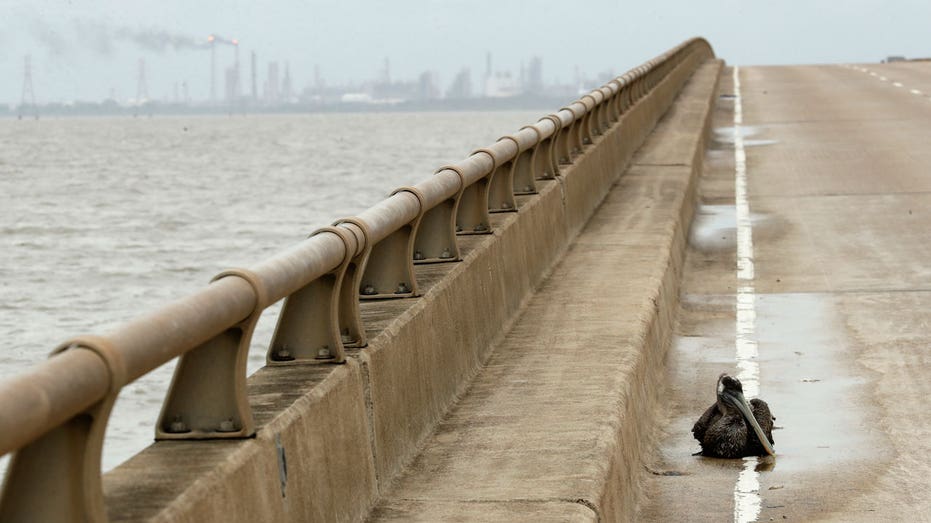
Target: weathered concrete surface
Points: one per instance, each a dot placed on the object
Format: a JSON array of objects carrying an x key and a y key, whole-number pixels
[
  {"x": 840, "y": 194},
  {"x": 520, "y": 511},
  {"x": 555, "y": 423},
  {"x": 346, "y": 432},
  {"x": 315, "y": 414}
]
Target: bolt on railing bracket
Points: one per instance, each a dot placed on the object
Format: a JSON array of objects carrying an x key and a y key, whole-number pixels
[
  {"x": 57, "y": 477},
  {"x": 207, "y": 397},
  {"x": 389, "y": 272},
  {"x": 308, "y": 329},
  {"x": 501, "y": 186},
  {"x": 436, "y": 237}
]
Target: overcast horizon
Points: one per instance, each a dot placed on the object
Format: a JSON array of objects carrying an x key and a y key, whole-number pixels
[{"x": 82, "y": 52}]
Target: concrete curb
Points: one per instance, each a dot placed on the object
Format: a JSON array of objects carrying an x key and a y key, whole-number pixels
[{"x": 619, "y": 501}]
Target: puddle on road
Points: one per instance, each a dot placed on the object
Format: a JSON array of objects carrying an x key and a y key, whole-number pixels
[
  {"x": 726, "y": 134},
  {"x": 724, "y": 137},
  {"x": 809, "y": 378},
  {"x": 757, "y": 143},
  {"x": 806, "y": 372},
  {"x": 714, "y": 227}
]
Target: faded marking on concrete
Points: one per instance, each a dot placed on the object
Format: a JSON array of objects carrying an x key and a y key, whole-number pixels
[
  {"x": 915, "y": 92},
  {"x": 747, "y": 500}
]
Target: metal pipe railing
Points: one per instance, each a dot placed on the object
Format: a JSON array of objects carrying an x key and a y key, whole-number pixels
[
  {"x": 49, "y": 395},
  {"x": 325, "y": 274}
]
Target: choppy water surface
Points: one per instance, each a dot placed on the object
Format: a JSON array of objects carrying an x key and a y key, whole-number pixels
[{"x": 105, "y": 218}]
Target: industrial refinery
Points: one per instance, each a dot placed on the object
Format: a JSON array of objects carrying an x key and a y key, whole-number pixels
[{"x": 240, "y": 81}]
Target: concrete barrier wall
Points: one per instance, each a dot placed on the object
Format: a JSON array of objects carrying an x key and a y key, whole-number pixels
[
  {"x": 678, "y": 162},
  {"x": 331, "y": 439}
]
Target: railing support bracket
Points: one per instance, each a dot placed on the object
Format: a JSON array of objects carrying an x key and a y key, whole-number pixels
[
  {"x": 207, "y": 397},
  {"x": 389, "y": 272},
  {"x": 57, "y": 477},
  {"x": 309, "y": 327}
]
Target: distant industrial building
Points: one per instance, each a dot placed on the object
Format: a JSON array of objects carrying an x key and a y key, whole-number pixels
[
  {"x": 503, "y": 84},
  {"x": 429, "y": 86},
  {"x": 534, "y": 81},
  {"x": 272, "y": 92},
  {"x": 279, "y": 91},
  {"x": 461, "y": 87}
]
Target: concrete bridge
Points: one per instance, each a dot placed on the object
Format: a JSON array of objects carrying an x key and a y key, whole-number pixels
[{"x": 529, "y": 334}]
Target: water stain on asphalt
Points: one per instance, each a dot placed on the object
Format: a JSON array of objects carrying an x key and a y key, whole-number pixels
[
  {"x": 714, "y": 227},
  {"x": 812, "y": 390}
]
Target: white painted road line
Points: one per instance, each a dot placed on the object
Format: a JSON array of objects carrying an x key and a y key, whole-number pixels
[{"x": 747, "y": 501}]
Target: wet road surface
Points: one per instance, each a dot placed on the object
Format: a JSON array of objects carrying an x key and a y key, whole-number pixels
[{"x": 839, "y": 189}]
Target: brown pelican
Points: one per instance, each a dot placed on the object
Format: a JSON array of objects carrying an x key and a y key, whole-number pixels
[{"x": 733, "y": 428}]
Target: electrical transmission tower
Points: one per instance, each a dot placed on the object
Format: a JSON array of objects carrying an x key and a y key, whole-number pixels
[
  {"x": 142, "y": 90},
  {"x": 28, "y": 90}
]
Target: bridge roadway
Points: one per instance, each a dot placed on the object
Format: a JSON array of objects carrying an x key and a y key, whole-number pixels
[
  {"x": 580, "y": 413},
  {"x": 839, "y": 193}
]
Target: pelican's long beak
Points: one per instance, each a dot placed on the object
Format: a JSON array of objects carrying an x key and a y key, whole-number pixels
[{"x": 737, "y": 399}]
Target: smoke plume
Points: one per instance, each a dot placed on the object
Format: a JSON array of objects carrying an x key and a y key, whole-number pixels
[
  {"x": 159, "y": 40},
  {"x": 56, "y": 43},
  {"x": 101, "y": 38}
]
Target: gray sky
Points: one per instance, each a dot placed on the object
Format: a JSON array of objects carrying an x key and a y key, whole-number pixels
[{"x": 75, "y": 59}]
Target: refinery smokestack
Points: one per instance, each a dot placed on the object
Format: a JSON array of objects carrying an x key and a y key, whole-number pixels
[
  {"x": 142, "y": 88},
  {"x": 237, "y": 86},
  {"x": 213, "y": 69},
  {"x": 255, "y": 90},
  {"x": 29, "y": 95}
]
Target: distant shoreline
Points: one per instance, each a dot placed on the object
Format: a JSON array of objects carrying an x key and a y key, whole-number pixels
[{"x": 551, "y": 104}]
